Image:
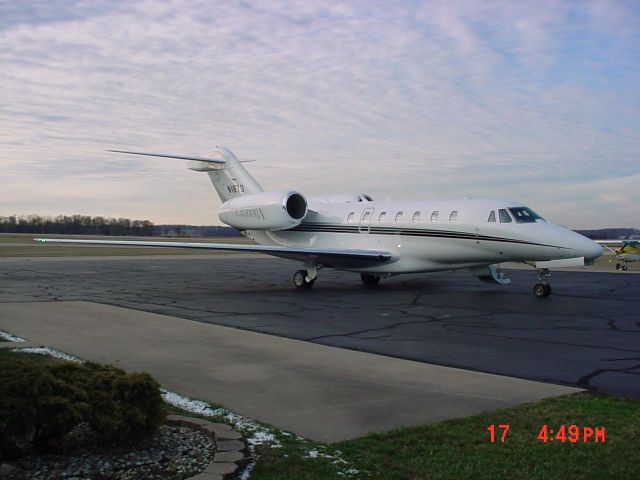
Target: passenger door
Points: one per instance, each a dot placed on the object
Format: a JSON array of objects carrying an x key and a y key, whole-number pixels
[{"x": 365, "y": 220}]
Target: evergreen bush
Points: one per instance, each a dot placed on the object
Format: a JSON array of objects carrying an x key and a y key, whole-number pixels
[
  {"x": 125, "y": 406},
  {"x": 40, "y": 402}
]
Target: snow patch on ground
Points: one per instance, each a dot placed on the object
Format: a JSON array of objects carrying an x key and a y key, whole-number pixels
[
  {"x": 321, "y": 452},
  {"x": 255, "y": 433},
  {"x": 49, "y": 351},
  {"x": 193, "y": 406},
  {"x": 10, "y": 338}
]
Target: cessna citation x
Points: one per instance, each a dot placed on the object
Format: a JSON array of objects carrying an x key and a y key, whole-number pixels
[{"x": 352, "y": 232}]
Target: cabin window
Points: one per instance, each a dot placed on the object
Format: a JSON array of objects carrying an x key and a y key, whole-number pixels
[
  {"x": 382, "y": 216},
  {"x": 352, "y": 217},
  {"x": 366, "y": 216},
  {"x": 492, "y": 216},
  {"x": 434, "y": 216},
  {"x": 416, "y": 217},
  {"x": 453, "y": 216},
  {"x": 398, "y": 217},
  {"x": 504, "y": 216}
]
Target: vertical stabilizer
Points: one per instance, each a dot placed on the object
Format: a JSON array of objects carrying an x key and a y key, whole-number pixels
[{"x": 229, "y": 177}]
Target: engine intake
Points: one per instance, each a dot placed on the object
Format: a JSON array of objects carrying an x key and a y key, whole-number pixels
[{"x": 264, "y": 211}]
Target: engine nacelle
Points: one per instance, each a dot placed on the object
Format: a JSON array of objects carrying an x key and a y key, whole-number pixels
[{"x": 264, "y": 211}]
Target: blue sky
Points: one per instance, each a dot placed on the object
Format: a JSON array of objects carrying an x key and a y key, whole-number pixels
[{"x": 532, "y": 101}]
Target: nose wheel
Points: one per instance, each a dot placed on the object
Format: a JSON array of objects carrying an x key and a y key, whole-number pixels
[{"x": 542, "y": 289}]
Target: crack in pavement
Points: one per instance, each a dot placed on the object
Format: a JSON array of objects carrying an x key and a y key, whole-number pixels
[
  {"x": 368, "y": 330},
  {"x": 585, "y": 381}
]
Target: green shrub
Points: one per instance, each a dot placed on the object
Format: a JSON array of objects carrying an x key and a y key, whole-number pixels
[
  {"x": 125, "y": 406},
  {"x": 38, "y": 405},
  {"x": 42, "y": 402}
]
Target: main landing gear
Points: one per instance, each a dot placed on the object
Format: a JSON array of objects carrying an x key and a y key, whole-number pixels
[
  {"x": 621, "y": 266},
  {"x": 370, "y": 280},
  {"x": 306, "y": 278},
  {"x": 300, "y": 279},
  {"x": 542, "y": 289}
]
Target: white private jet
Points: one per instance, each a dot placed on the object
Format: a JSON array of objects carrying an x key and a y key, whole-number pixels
[{"x": 352, "y": 232}]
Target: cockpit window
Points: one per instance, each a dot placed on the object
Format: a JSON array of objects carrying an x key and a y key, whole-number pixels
[
  {"x": 524, "y": 215},
  {"x": 504, "y": 216},
  {"x": 492, "y": 216}
]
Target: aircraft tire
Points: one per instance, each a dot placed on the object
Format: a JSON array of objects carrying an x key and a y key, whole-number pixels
[
  {"x": 542, "y": 290},
  {"x": 370, "y": 280},
  {"x": 300, "y": 279},
  {"x": 618, "y": 266},
  {"x": 624, "y": 267}
]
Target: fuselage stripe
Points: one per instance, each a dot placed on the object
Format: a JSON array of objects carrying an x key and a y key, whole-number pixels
[{"x": 411, "y": 232}]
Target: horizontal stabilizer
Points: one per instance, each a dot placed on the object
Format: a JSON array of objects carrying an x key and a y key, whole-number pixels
[{"x": 179, "y": 157}]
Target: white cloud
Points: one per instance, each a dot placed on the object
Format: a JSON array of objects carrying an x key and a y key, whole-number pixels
[{"x": 454, "y": 99}]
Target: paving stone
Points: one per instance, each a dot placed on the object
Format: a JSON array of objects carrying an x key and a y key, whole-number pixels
[
  {"x": 228, "y": 457},
  {"x": 206, "y": 476},
  {"x": 194, "y": 422},
  {"x": 221, "y": 468},
  {"x": 230, "y": 446},
  {"x": 219, "y": 426},
  {"x": 220, "y": 434}
]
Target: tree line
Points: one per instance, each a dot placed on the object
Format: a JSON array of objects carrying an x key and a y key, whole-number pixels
[{"x": 75, "y": 225}]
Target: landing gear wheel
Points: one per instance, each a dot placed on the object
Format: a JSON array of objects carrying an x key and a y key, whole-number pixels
[
  {"x": 370, "y": 280},
  {"x": 624, "y": 268},
  {"x": 300, "y": 279},
  {"x": 618, "y": 266},
  {"x": 542, "y": 290}
]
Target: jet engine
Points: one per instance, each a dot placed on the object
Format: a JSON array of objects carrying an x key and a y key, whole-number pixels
[{"x": 264, "y": 211}]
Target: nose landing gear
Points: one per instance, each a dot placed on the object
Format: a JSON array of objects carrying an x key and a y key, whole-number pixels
[{"x": 542, "y": 289}]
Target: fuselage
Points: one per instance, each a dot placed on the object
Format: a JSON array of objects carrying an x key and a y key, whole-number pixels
[{"x": 434, "y": 235}]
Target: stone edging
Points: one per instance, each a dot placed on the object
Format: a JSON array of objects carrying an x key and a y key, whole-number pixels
[{"x": 230, "y": 446}]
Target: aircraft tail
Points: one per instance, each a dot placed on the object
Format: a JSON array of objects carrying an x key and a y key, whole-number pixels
[{"x": 229, "y": 177}]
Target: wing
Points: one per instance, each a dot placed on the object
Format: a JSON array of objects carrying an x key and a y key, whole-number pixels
[{"x": 333, "y": 257}]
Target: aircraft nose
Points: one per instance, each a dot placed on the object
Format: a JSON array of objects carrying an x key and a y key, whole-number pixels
[{"x": 589, "y": 249}]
